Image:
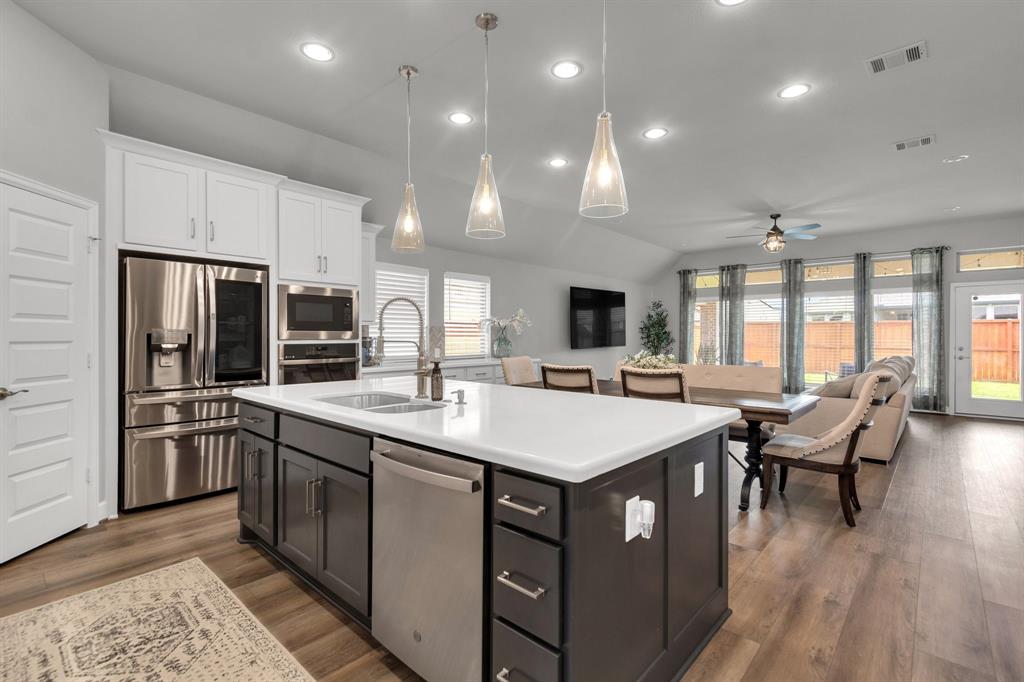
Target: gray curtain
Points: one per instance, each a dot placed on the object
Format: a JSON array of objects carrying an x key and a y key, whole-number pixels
[
  {"x": 929, "y": 336},
  {"x": 791, "y": 346},
  {"x": 732, "y": 280},
  {"x": 863, "y": 311},
  {"x": 687, "y": 305}
]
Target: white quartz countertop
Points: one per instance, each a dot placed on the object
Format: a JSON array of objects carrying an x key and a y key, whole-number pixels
[
  {"x": 410, "y": 365},
  {"x": 567, "y": 436}
]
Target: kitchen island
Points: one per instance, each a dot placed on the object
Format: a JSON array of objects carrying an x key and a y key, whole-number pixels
[{"x": 502, "y": 538}]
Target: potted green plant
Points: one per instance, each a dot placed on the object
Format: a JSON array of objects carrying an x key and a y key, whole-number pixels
[{"x": 655, "y": 337}]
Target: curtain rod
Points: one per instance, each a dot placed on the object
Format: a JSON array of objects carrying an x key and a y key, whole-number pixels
[{"x": 813, "y": 261}]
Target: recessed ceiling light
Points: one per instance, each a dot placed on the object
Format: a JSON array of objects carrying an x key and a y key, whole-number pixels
[
  {"x": 730, "y": 3},
  {"x": 318, "y": 52},
  {"x": 566, "y": 69},
  {"x": 952, "y": 209},
  {"x": 558, "y": 162},
  {"x": 655, "y": 133},
  {"x": 460, "y": 118},
  {"x": 956, "y": 159},
  {"x": 795, "y": 90}
]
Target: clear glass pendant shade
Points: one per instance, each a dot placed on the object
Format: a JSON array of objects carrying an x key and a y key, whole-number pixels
[
  {"x": 408, "y": 236},
  {"x": 773, "y": 243},
  {"x": 604, "y": 190},
  {"x": 485, "y": 220}
]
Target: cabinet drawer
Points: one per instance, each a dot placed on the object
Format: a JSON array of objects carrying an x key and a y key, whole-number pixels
[
  {"x": 484, "y": 373},
  {"x": 527, "y": 584},
  {"x": 257, "y": 420},
  {"x": 522, "y": 658},
  {"x": 334, "y": 445},
  {"x": 458, "y": 373},
  {"x": 528, "y": 504}
]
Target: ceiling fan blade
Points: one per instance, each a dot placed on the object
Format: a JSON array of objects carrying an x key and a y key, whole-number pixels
[
  {"x": 801, "y": 236},
  {"x": 803, "y": 228},
  {"x": 745, "y": 236}
]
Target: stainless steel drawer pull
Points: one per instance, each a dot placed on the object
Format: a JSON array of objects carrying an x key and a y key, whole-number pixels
[
  {"x": 253, "y": 420},
  {"x": 505, "y": 578},
  {"x": 309, "y": 497},
  {"x": 506, "y": 501},
  {"x": 503, "y": 675},
  {"x": 318, "y": 496}
]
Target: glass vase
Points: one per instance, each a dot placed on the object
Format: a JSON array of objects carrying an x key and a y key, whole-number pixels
[{"x": 501, "y": 347}]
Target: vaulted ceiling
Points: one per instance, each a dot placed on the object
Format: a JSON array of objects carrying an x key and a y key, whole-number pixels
[{"x": 709, "y": 73}]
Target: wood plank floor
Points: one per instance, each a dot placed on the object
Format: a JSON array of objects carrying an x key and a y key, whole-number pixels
[{"x": 928, "y": 587}]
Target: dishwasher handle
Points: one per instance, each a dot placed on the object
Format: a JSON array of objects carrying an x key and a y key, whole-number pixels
[{"x": 458, "y": 484}]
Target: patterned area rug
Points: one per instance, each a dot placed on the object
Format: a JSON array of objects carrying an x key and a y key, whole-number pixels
[{"x": 176, "y": 623}]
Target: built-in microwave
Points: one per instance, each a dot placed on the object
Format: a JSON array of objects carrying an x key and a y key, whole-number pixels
[{"x": 316, "y": 313}]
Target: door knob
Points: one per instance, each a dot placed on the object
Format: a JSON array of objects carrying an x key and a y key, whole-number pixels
[
  {"x": 4, "y": 393},
  {"x": 963, "y": 357}
]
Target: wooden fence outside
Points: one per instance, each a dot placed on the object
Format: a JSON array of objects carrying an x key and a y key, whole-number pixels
[{"x": 829, "y": 344}]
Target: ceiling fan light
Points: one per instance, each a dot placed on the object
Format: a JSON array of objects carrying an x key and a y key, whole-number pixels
[
  {"x": 604, "y": 190},
  {"x": 773, "y": 243}
]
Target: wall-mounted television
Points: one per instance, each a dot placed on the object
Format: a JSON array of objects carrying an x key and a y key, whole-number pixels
[{"x": 597, "y": 318}]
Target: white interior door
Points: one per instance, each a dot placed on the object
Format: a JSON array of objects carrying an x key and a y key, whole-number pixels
[
  {"x": 986, "y": 349},
  {"x": 44, "y": 341}
]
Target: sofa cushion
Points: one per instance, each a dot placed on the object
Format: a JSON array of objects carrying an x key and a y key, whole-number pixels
[
  {"x": 900, "y": 365},
  {"x": 840, "y": 388},
  {"x": 888, "y": 388}
]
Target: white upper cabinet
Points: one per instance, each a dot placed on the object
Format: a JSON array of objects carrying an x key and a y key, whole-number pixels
[
  {"x": 342, "y": 243},
  {"x": 319, "y": 235},
  {"x": 161, "y": 203},
  {"x": 299, "y": 225},
  {"x": 238, "y": 219}
]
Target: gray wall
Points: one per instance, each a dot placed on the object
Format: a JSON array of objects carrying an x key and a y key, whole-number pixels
[
  {"x": 542, "y": 292},
  {"x": 53, "y": 96}
]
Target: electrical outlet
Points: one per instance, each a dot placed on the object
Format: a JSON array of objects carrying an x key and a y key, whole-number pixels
[
  {"x": 698, "y": 479},
  {"x": 632, "y": 523}
]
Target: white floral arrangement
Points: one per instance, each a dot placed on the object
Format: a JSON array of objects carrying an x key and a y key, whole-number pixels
[
  {"x": 517, "y": 323},
  {"x": 647, "y": 360}
]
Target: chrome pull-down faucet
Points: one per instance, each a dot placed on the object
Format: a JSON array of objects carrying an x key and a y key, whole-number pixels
[{"x": 422, "y": 373}]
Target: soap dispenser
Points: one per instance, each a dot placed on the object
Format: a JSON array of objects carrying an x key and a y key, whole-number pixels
[{"x": 436, "y": 383}]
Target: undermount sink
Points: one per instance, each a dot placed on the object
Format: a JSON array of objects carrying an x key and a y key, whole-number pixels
[
  {"x": 406, "y": 407},
  {"x": 366, "y": 401}
]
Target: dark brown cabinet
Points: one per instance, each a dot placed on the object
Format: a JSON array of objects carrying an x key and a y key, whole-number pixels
[
  {"x": 256, "y": 484},
  {"x": 324, "y": 524}
]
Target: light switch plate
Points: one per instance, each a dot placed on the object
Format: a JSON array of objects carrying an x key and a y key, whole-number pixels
[
  {"x": 698, "y": 479},
  {"x": 632, "y": 517}
]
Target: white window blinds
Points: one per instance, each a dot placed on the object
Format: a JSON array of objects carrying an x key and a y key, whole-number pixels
[
  {"x": 467, "y": 300},
  {"x": 401, "y": 324}
]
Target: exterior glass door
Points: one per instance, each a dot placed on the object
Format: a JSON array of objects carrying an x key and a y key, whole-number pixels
[
  {"x": 986, "y": 352},
  {"x": 238, "y": 326}
]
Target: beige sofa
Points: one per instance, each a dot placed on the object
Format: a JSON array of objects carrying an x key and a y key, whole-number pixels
[{"x": 879, "y": 442}]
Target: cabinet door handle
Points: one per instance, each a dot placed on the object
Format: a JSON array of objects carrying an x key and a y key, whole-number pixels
[
  {"x": 505, "y": 578},
  {"x": 318, "y": 496},
  {"x": 257, "y": 472},
  {"x": 506, "y": 501},
  {"x": 503, "y": 675},
  {"x": 212, "y": 231},
  {"x": 309, "y": 497},
  {"x": 325, "y": 264},
  {"x": 192, "y": 231},
  {"x": 248, "y": 460},
  {"x": 253, "y": 420}
]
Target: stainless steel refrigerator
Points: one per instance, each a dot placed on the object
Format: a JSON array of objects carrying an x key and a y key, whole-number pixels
[{"x": 190, "y": 332}]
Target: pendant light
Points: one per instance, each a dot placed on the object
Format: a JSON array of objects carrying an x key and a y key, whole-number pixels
[
  {"x": 604, "y": 190},
  {"x": 485, "y": 220},
  {"x": 408, "y": 236}
]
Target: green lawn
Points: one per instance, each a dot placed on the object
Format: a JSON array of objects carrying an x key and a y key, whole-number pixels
[{"x": 999, "y": 390}]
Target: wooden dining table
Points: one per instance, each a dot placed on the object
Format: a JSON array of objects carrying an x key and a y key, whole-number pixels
[{"x": 755, "y": 408}]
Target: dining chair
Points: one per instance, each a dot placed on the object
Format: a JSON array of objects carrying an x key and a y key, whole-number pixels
[
  {"x": 655, "y": 384},
  {"x": 831, "y": 452},
  {"x": 578, "y": 378},
  {"x": 518, "y": 370}
]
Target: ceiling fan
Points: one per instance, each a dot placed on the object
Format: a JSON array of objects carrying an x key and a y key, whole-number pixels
[{"x": 773, "y": 241}]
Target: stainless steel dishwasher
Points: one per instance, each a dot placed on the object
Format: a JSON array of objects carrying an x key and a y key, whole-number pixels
[{"x": 427, "y": 566}]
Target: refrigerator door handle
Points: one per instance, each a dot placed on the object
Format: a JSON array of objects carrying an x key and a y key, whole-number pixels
[
  {"x": 211, "y": 335},
  {"x": 199, "y": 344},
  {"x": 184, "y": 430}
]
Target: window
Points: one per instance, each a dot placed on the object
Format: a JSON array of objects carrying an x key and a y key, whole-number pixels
[
  {"x": 401, "y": 323},
  {"x": 828, "y": 271},
  {"x": 894, "y": 267},
  {"x": 709, "y": 280},
  {"x": 828, "y": 337},
  {"x": 705, "y": 333},
  {"x": 893, "y": 315},
  {"x": 762, "y": 331},
  {"x": 1002, "y": 259},
  {"x": 467, "y": 300}
]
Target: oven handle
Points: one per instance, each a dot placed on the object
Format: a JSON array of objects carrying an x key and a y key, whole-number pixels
[
  {"x": 314, "y": 361},
  {"x": 184, "y": 430}
]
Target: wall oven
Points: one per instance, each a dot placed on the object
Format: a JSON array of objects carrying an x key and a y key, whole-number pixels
[
  {"x": 307, "y": 363},
  {"x": 317, "y": 313}
]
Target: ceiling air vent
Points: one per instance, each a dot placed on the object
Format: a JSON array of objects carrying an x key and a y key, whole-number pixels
[
  {"x": 914, "y": 143},
  {"x": 897, "y": 58}
]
